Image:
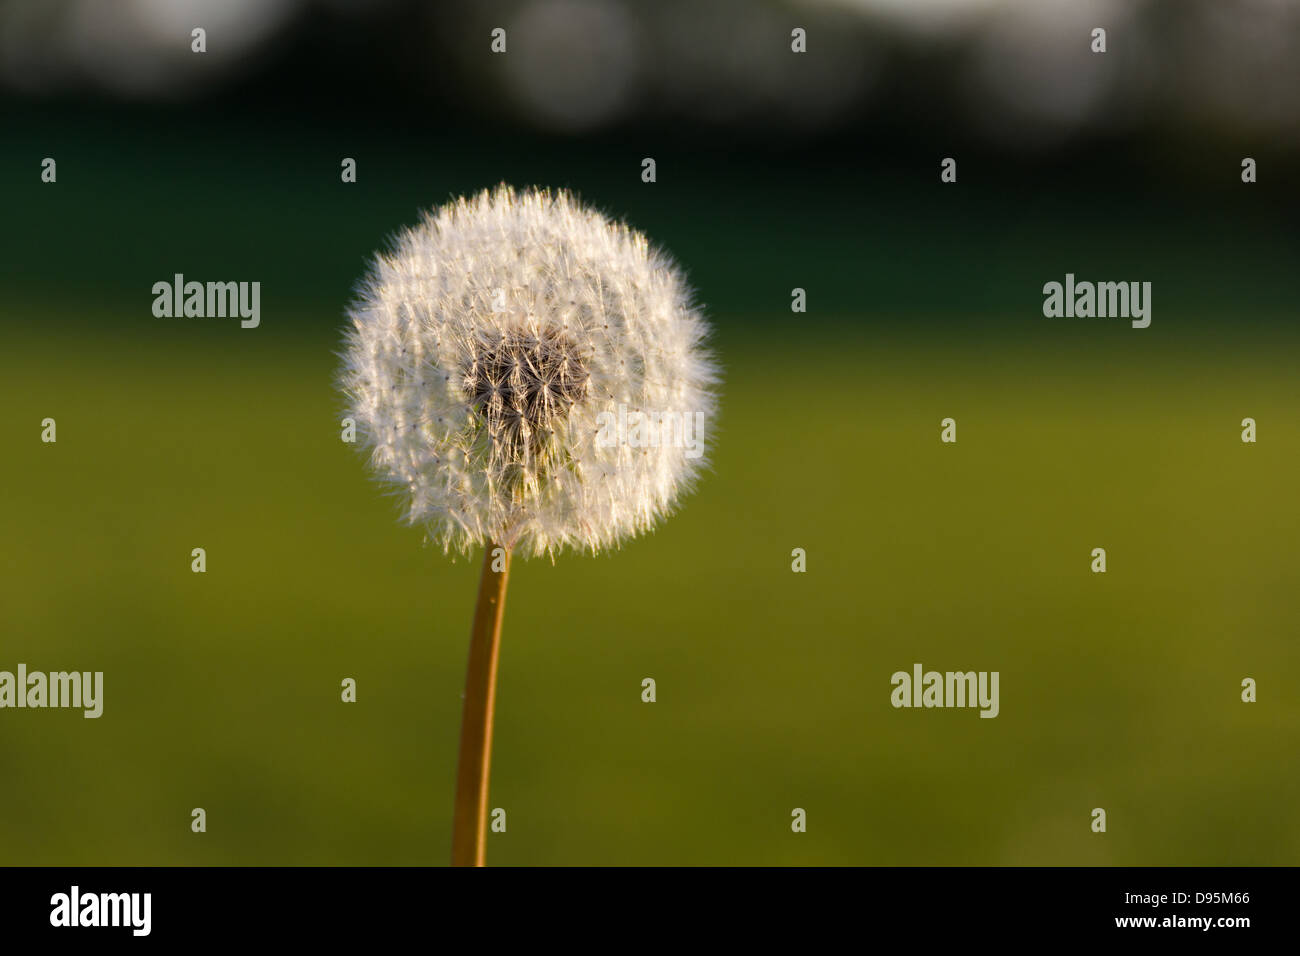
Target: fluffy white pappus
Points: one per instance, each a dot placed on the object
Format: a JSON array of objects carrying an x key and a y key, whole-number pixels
[{"x": 495, "y": 355}]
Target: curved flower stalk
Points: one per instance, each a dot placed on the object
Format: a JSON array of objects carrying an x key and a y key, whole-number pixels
[{"x": 495, "y": 356}]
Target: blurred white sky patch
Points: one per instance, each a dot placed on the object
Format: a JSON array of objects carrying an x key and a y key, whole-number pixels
[
  {"x": 131, "y": 47},
  {"x": 573, "y": 64},
  {"x": 581, "y": 64},
  {"x": 918, "y": 16},
  {"x": 239, "y": 24},
  {"x": 1034, "y": 76},
  {"x": 1019, "y": 73}
]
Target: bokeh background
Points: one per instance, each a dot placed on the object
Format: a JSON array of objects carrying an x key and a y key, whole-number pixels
[{"x": 775, "y": 171}]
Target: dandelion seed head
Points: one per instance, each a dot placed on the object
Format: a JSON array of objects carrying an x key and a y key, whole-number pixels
[{"x": 486, "y": 351}]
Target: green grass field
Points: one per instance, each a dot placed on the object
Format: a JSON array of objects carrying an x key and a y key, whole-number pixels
[{"x": 222, "y": 690}]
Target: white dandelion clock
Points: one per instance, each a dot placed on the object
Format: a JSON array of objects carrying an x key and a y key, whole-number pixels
[
  {"x": 528, "y": 376},
  {"x": 494, "y": 351}
]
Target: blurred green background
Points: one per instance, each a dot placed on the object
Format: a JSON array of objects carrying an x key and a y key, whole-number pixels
[{"x": 222, "y": 690}]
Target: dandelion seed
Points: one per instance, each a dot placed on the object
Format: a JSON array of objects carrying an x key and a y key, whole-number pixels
[
  {"x": 525, "y": 384},
  {"x": 487, "y": 420}
]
